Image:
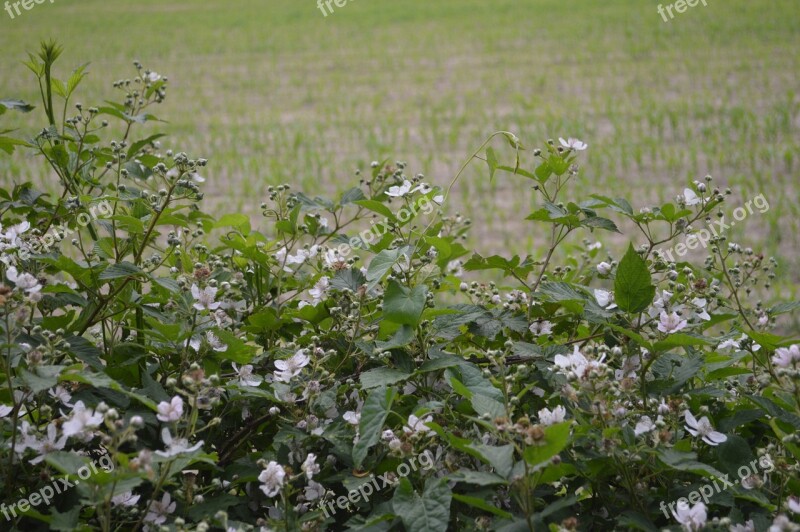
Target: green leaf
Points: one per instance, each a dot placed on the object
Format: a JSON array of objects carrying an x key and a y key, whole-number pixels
[
  {"x": 373, "y": 415},
  {"x": 235, "y": 220},
  {"x": 377, "y": 207},
  {"x": 501, "y": 458},
  {"x": 352, "y": 195},
  {"x": 783, "y": 308},
  {"x": 15, "y": 105},
  {"x": 404, "y": 305},
  {"x": 212, "y": 505},
  {"x": 768, "y": 340},
  {"x": 601, "y": 223},
  {"x": 65, "y": 521},
  {"x": 679, "y": 340},
  {"x": 776, "y": 411},
  {"x": 491, "y": 160},
  {"x": 633, "y": 286},
  {"x": 351, "y": 279},
  {"x": 139, "y": 144},
  {"x": 441, "y": 362},
  {"x": 7, "y": 144},
  {"x": 403, "y": 336},
  {"x": 483, "y": 505},
  {"x": 96, "y": 380},
  {"x": 382, "y": 377},
  {"x": 687, "y": 462},
  {"x": 121, "y": 269},
  {"x": 556, "y": 438},
  {"x": 478, "y": 478},
  {"x": 43, "y": 377},
  {"x": 429, "y": 512},
  {"x": 486, "y": 405},
  {"x": 382, "y": 263},
  {"x": 734, "y": 453}
]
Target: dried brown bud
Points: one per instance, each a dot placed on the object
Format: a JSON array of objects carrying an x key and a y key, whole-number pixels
[
  {"x": 570, "y": 523},
  {"x": 202, "y": 273}
]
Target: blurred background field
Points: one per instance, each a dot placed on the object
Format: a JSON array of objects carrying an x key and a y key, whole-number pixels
[{"x": 270, "y": 91}]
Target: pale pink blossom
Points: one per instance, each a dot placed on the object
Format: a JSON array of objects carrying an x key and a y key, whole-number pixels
[
  {"x": 670, "y": 323},
  {"x": 291, "y": 367},
  {"x": 158, "y": 511},
  {"x": 573, "y": 144},
  {"x": 548, "y": 417},
  {"x": 703, "y": 429},
  {"x": 204, "y": 299},
  {"x": 692, "y": 518},
  {"x": 81, "y": 420},
  {"x": 272, "y": 479},
  {"x": 170, "y": 411}
]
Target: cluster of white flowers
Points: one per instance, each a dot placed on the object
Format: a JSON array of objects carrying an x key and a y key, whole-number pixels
[
  {"x": 246, "y": 376},
  {"x": 272, "y": 479},
  {"x": 171, "y": 411},
  {"x": 573, "y": 144},
  {"x": 158, "y": 511},
  {"x": 10, "y": 241},
  {"x": 176, "y": 445},
  {"x": 25, "y": 282},
  {"x": 211, "y": 339},
  {"x": 291, "y": 367},
  {"x": 691, "y": 518},
  {"x": 703, "y": 429},
  {"x": 541, "y": 328},
  {"x": 81, "y": 421},
  {"x": 605, "y": 299},
  {"x": 577, "y": 365},
  {"x": 549, "y": 417},
  {"x": 407, "y": 187},
  {"x": 318, "y": 292},
  {"x": 204, "y": 299},
  {"x": 787, "y": 356},
  {"x": 417, "y": 425}
]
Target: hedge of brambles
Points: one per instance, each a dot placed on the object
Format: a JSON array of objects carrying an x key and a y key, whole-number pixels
[{"x": 347, "y": 364}]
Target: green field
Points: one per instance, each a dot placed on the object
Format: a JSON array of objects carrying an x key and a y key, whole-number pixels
[{"x": 271, "y": 91}]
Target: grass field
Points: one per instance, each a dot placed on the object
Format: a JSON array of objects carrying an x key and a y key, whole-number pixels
[{"x": 271, "y": 91}]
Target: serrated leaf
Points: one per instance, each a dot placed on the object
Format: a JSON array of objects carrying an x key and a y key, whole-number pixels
[
  {"x": 478, "y": 478},
  {"x": 501, "y": 458},
  {"x": 486, "y": 405},
  {"x": 431, "y": 511},
  {"x": 15, "y": 105},
  {"x": 679, "y": 340},
  {"x": 404, "y": 305},
  {"x": 120, "y": 269},
  {"x": 381, "y": 264},
  {"x": 491, "y": 160},
  {"x": 633, "y": 286},
  {"x": 382, "y": 377},
  {"x": 377, "y": 207},
  {"x": 556, "y": 438},
  {"x": 482, "y": 505},
  {"x": 373, "y": 415},
  {"x": 351, "y": 279}
]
